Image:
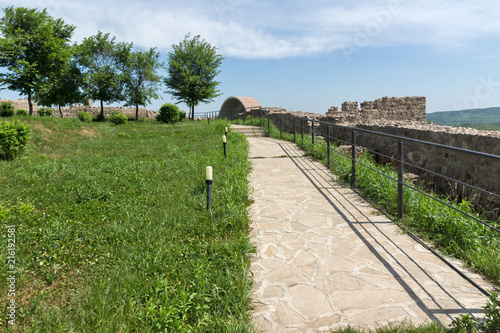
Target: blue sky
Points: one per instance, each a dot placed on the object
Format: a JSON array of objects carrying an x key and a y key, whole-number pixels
[{"x": 310, "y": 55}]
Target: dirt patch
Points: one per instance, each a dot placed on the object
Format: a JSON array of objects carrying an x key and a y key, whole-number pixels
[{"x": 89, "y": 132}]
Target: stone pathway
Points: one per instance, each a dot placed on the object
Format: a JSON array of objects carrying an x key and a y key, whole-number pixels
[{"x": 326, "y": 259}]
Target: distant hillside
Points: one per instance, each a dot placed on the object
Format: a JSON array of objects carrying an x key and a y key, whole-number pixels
[{"x": 466, "y": 118}]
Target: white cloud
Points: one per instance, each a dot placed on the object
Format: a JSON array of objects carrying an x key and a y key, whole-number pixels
[{"x": 279, "y": 29}]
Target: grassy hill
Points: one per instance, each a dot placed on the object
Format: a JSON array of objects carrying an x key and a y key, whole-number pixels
[
  {"x": 479, "y": 118},
  {"x": 112, "y": 232}
]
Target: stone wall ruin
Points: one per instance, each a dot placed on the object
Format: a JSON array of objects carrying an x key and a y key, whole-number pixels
[{"x": 406, "y": 117}]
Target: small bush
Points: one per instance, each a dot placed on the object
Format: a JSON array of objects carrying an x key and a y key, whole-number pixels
[
  {"x": 98, "y": 117},
  {"x": 22, "y": 112},
  {"x": 182, "y": 115},
  {"x": 45, "y": 112},
  {"x": 169, "y": 113},
  {"x": 6, "y": 109},
  {"x": 85, "y": 117},
  {"x": 118, "y": 118},
  {"x": 13, "y": 137}
]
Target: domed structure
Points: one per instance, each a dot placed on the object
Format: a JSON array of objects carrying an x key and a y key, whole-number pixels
[{"x": 233, "y": 106}]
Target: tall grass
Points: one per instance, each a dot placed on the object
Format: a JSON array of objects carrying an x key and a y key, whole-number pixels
[
  {"x": 452, "y": 232},
  {"x": 113, "y": 233}
]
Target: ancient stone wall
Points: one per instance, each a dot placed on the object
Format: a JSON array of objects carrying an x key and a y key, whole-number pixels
[
  {"x": 470, "y": 169},
  {"x": 20, "y": 104},
  {"x": 405, "y": 117},
  {"x": 73, "y": 110}
]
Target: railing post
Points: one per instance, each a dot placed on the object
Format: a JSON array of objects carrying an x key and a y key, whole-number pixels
[
  {"x": 281, "y": 128},
  {"x": 312, "y": 134},
  {"x": 268, "y": 125},
  {"x": 353, "y": 156},
  {"x": 294, "y": 129},
  {"x": 400, "y": 180},
  {"x": 328, "y": 145},
  {"x": 302, "y": 128}
]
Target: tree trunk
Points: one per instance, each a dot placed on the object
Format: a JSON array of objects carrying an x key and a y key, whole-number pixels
[
  {"x": 30, "y": 104},
  {"x": 137, "y": 112},
  {"x": 60, "y": 111},
  {"x": 102, "y": 109}
]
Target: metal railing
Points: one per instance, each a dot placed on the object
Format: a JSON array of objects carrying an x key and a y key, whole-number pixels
[{"x": 302, "y": 126}]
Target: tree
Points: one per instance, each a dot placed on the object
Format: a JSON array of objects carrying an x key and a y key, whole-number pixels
[
  {"x": 98, "y": 58},
  {"x": 63, "y": 89},
  {"x": 141, "y": 78},
  {"x": 192, "y": 68},
  {"x": 34, "y": 47}
]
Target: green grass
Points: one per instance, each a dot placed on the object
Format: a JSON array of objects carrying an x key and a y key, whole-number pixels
[
  {"x": 452, "y": 232},
  {"x": 112, "y": 232},
  {"x": 402, "y": 328}
]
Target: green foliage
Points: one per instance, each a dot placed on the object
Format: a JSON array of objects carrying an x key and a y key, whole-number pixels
[
  {"x": 45, "y": 112},
  {"x": 6, "y": 109},
  {"x": 85, "y": 117},
  {"x": 115, "y": 228},
  {"x": 99, "y": 118},
  {"x": 467, "y": 118},
  {"x": 401, "y": 328},
  {"x": 141, "y": 81},
  {"x": 22, "y": 112},
  {"x": 169, "y": 113},
  {"x": 464, "y": 324},
  {"x": 13, "y": 137},
  {"x": 64, "y": 88},
  {"x": 118, "y": 118},
  {"x": 452, "y": 232},
  {"x": 99, "y": 57},
  {"x": 34, "y": 48},
  {"x": 182, "y": 115},
  {"x": 492, "y": 314},
  {"x": 192, "y": 68}
]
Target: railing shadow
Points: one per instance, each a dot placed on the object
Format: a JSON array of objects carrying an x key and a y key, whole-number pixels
[{"x": 364, "y": 227}]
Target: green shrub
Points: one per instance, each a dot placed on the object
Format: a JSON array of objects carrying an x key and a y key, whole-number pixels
[
  {"x": 85, "y": 117},
  {"x": 22, "y": 112},
  {"x": 182, "y": 115},
  {"x": 98, "y": 117},
  {"x": 169, "y": 113},
  {"x": 118, "y": 118},
  {"x": 45, "y": 112},
  {"x": 492, "y": 314},
  {"x": 6, "y": 109},
  {"x": 13, "y": 137}
]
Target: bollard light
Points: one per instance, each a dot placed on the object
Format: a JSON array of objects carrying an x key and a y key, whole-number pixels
[
  {"x": 226, "y": 131},
  {"x": 198, "y": 118},
  {"x": 209, "y": 187},
  {"x": 208, "y": 118},
  {"x": 224, "y": 143}
]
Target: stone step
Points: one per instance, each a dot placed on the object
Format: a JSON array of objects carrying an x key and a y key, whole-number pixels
[{"x": 250, "y": 131}]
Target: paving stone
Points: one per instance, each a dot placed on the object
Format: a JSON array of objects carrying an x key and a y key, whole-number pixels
[
  {"x": 310, "y": 301},
  {"x": 286, "y": 274},
  {"x": 273, "y": 292},
  {"x": 326, "y": 259},
  {"x": 285, "y": 315}
]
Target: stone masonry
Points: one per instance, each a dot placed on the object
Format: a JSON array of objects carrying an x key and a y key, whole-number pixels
[
  {"x": 405, "y": 116},
  {"x": 93, "y": 110}
]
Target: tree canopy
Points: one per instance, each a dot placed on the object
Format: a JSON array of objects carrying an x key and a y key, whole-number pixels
[
  {"x": 63, "y": 89},
  {"x": 192, "y": 68},
  {"x": 98, "y": 57},
  {"x": 33, "y": 47},
  {"x": 141, "y": 77}
]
